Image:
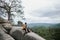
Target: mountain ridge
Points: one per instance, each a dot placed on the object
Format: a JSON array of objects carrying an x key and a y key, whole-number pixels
[{"x": 41, "y": 24}]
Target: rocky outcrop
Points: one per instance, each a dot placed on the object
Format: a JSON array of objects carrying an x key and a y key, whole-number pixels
[
  {"x": 2, "y": 19},
  {"x": 7, "y": 25},
  {"x": 4, "y": 36},
  {"x": 1, "y": 28},
  {"x": 19, "y": 34},
  {"x": 32, "y": 36},
  {"x": 16, "y": 33}
]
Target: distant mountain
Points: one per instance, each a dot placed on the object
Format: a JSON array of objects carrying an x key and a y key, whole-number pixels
[
  {"x": 40, "y": 24},
  {"x": 57, "y": 25}
]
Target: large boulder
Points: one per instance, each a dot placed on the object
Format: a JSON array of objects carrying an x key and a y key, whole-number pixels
[
  {"x": 2, "y": 19},
  {"x": 1, "y": 27},
  {"x": 5, "y": 23},
  {"x": 17, "y": 33},
  {"x": 4, "y": 36},
  {"x": 7, "y": 26},
  {"x": 32, "y": 36}
]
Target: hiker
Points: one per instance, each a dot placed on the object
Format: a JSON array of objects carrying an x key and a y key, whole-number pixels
[{"x": 25, "y": 27}]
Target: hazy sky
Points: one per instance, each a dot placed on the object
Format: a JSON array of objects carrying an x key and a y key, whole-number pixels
[{"x": 42, "y": 11}]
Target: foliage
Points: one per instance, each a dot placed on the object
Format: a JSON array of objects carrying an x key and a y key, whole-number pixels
[
  {"x": 49, "y": 33},
  {"x": 12, "y": 7}
]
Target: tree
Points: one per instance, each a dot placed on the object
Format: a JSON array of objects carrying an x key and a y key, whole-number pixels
[
  {"x": 11, "y": 7},
  {"x": 5, "y": 6}
]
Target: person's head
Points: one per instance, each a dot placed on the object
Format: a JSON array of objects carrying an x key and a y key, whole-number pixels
[{"x": 25, "y": 23}]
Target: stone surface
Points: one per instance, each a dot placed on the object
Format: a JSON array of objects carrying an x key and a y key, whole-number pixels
[
  {"x": 2, "y": 19},
  {"x": 17, "y": 33},
  {"x": 7, "y": 26},
  {"x": 32, "y": 36},
  {"x": 3, "y": 28},
  {"x": 4, "y": 36}
]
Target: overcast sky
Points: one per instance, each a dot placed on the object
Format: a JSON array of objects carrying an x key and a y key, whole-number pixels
[{"x": 42, "y": 11}]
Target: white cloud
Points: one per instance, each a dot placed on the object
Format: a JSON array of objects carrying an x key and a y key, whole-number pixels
[
  {"x": 37, "y": 11},
  {"x": 35, "y": 19}
]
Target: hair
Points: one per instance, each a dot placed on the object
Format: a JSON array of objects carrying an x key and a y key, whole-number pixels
[{"x": 25, "y": 23}]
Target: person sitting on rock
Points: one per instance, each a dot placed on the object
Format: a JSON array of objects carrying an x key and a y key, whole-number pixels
[{"x": 25, "y": 27}]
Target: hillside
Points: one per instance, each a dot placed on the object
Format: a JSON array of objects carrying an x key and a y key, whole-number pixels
[
  {"x": 41, "y": 24},
  {"x": 48, "y": 31}
]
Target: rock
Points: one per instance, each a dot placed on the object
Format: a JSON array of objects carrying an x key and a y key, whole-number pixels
[
  {"x": 32, "y": 36},
  {"x": 3, "y": 20},
  {"x": 3, "y": 28},
  {"x": 4, "y": 36},
  {"x": 7, "y": 26},
  {"x": 1, "y": 35},
  {"x": 17, "y": 33}
]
